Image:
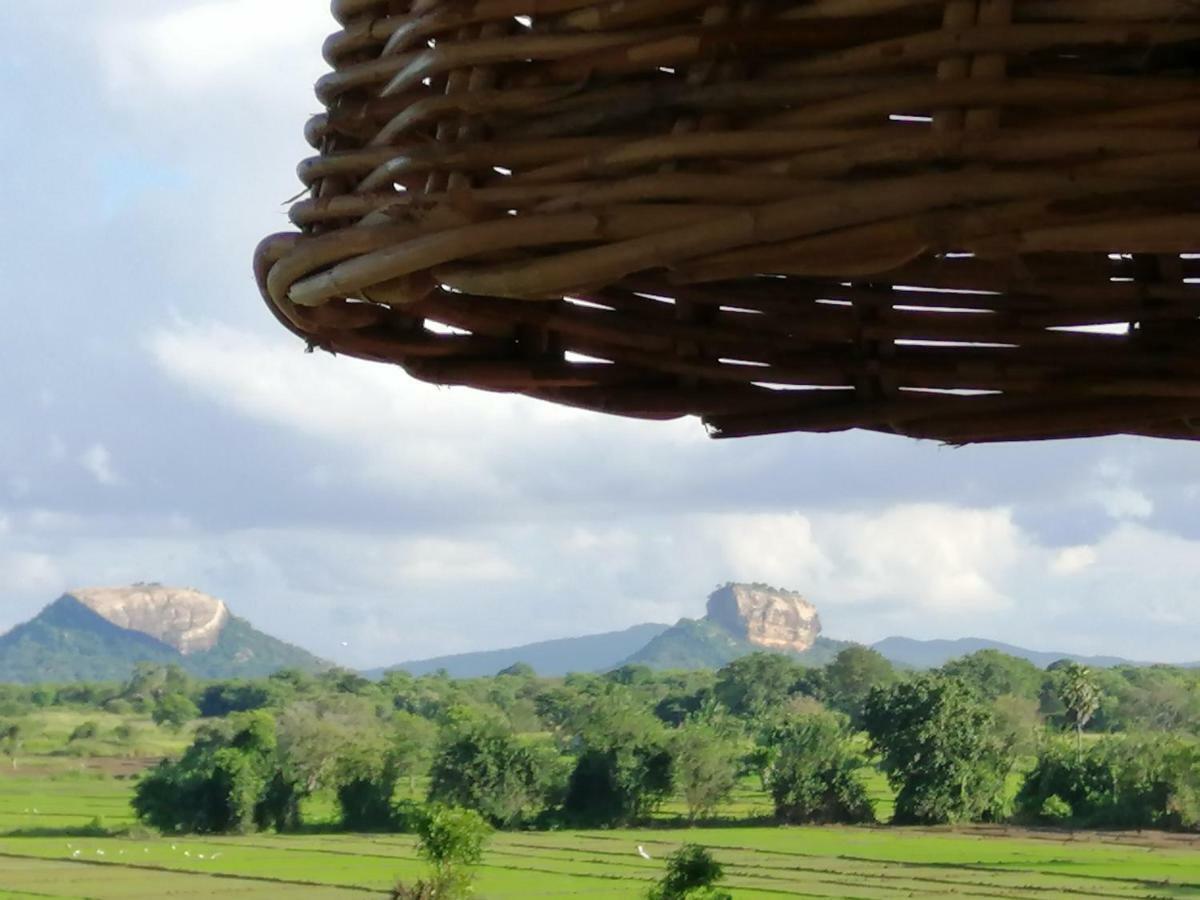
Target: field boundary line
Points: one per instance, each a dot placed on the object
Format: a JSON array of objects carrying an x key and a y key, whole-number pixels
[{"x": 228, "y": 876}]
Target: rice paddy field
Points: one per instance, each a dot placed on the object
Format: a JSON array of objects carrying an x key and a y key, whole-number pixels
[{"x": 56, "y": 815}]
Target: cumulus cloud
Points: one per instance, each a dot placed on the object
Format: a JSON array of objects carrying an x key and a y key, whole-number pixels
[
  {"x": 921, "y": 558},
  {"x": 397, "y": 431},
  {"x": 233, "y": 45},
  {"x": 97, "y": 461},
  {"x": 1072, "y": 560}
]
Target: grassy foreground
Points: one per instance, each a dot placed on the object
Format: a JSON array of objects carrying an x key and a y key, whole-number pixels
[{"x": 48, "y": 814}]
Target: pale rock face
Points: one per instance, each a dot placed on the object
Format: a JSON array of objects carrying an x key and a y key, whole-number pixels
[
  {"x": 183, "y": 618},
  {"x": 766, "y": 617}
]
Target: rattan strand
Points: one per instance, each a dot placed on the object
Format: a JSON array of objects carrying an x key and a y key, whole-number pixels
[{"x": 974, "y": 220}]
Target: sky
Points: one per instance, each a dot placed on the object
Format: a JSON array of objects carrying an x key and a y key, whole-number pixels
[{"x": 158, "y": 425}]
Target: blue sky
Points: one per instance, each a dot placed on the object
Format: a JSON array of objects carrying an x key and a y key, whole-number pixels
[{"x": 160, "y": 426}]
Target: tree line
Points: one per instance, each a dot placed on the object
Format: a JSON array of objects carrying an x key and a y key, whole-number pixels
[{"x": 987, "y": 737}]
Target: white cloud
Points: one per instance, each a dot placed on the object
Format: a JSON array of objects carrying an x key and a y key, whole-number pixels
[
  {"x": 22, "y": 572},
  {"x": 1124, "y": 502},
  {"x": 777, "y": 548},
  {"x": 98, "y": 462},
  {"x": 398, "y": 431},
  {"x": 925, "y": 557},
  {"x": 224, "y": 44},
  {"x": 1116, "y": 492},
  {"x": 1072, "y": 560}
]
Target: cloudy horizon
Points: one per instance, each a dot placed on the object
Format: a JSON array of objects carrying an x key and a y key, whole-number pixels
[{"x": 160, "y": 426}]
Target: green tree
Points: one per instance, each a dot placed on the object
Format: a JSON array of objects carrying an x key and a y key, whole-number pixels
[
  {"x": 619, "y": 784},
  {"x": 1018, "y": 723},
  {"x": 452, "y": 841},
  {"x": 1080, "y": 696},
  {"x": 852, "y": 675},
  {"x": 366, "y": 775},
  {"x": 11, "y": 737},
  {"x": 84, "y": 731},
  {"x": 757, "y": 684},
  {"x": 173, "y": 711},
  {"x": 150, "y": 681},
  {"x": 815, "y": 772},
  {"x": 937, "y": 744},
  {"x": 227, "y": 780},
  {"x": 481, "y": 765},
  {"x": 623, "y": 771},
  {"x": 520, "y": 670},
  {"x": 1116, "y": 782},
  {"x": 994, "y": 674},
  {"x": 311, "y": 742},
  {"x": 692, "y": 874},
  {"x": 705, "y": 765}
]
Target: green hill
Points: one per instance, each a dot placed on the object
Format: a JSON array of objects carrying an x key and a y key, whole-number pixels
[
  {"x": 68, "y": 641},
  {"x": 591, "y": 653},
  {"x": 934, "y": 653},
  {"x": 703, "y": 644}
]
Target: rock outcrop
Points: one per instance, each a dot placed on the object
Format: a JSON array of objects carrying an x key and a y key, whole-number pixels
[
  {"x": 182, "y": 618},
  {"x": 765, "y": 617}
]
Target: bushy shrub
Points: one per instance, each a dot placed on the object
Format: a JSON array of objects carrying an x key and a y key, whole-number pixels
[
  {"x": 1116, "y": 782},
  {"x": 937, "y": 743},
  {"x": 452, "y": 841},
  {"x": 705, "y": 766},
  {"x": 226, "y": 781},
  {"x": 692, "y": 874},
  {"x": 365, "y": 801},
  {"x": 85, "y": 731},
  {"x": 814, "y": 776},
  {"x": 1055, "y": 809},
  {"x": 618, "y": 785},
  {"x": 482, "y": 765}
]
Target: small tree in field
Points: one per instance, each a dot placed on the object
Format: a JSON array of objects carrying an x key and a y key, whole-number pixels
[
  {"x": 691, "y": 875},
  {"x": 451, "y": 840},
  {"x": 10, "y": 740},
  {"x": 705, "y": 766}
]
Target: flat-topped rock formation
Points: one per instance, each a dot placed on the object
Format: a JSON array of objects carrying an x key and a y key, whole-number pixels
[
  {"x": 765, "y": 616},
  {"x": 185, "y": 619}
]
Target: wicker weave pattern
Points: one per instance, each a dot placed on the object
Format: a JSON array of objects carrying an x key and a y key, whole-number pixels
[{"x": 812, "y": 215}]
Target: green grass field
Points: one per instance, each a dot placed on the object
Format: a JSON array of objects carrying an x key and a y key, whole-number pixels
[{"x": 49, "y": 810}]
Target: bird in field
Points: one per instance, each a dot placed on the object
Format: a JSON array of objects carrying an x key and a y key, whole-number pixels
[
  {"x": 187, "y": 853},
  {"x": 200, "y": 856},
  {"x": 99, "y": 852},
  {"x": 215, "y": 855},
  {"x": 76, "y": 853},
  {"x": 642, "y": 852}
]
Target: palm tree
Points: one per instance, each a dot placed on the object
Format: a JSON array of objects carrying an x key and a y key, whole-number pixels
[{"x": 1081, "y": 696}]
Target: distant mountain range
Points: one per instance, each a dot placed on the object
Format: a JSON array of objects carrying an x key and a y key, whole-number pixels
[
  {"x": 740, "y": 619},
  {"x": 699, "y": 644},
  {"x": 931, "y": 654},
  {"x": 592, "y": 653},
  {"x": 101, "y": 634}
]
